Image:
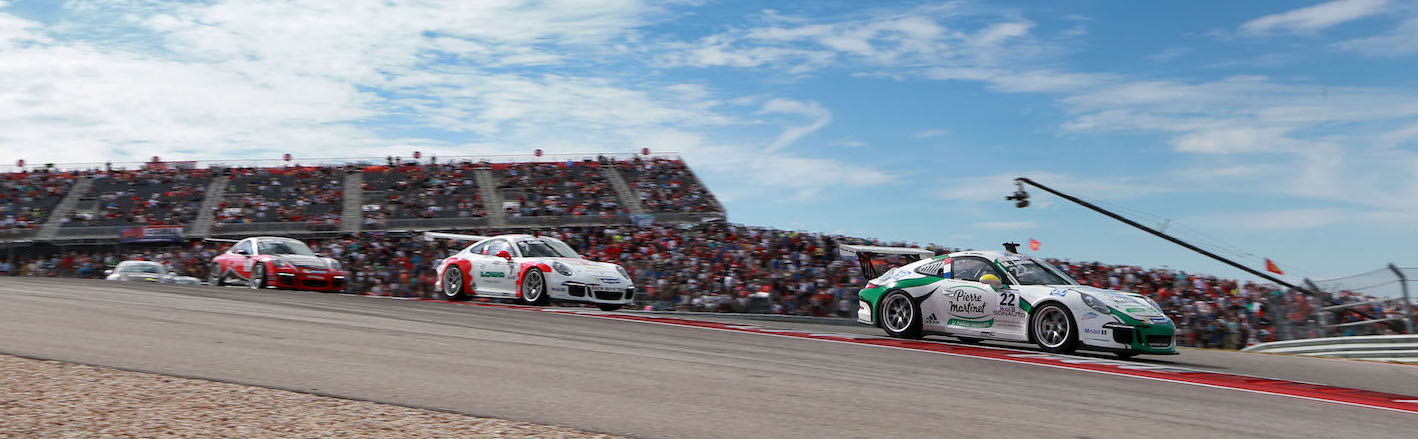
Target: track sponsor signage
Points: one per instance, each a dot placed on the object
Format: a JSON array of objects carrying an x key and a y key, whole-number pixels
[{"x": 150, "y": 234}]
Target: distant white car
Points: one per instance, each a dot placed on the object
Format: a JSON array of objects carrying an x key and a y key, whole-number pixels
[
  {"x": 147, "y": 271},
  {"x": 532, "y": 269}
]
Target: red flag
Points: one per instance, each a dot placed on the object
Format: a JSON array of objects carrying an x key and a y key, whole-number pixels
[
  {"x": 1033, "y": 244},
  {"x": 1271, "y": 267}
]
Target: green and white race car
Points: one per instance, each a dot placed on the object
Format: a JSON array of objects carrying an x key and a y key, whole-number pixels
[{"x": 975, "y": 295}]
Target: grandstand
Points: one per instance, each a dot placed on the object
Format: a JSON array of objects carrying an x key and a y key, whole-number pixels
[{"x": 95, "y": 206}]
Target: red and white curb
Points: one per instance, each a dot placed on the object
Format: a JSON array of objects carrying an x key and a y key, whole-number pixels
[{"x": 1155, "y": 372}]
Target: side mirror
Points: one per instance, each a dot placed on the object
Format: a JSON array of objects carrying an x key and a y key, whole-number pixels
[
  {"x": 108, "y": 272},
  {"x": 993, "y": 283},
  {"x": 239, "y": 251},
  {"x": 505, "y": 255}
]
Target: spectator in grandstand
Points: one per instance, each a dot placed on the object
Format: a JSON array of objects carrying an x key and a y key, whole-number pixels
[
  {"x": 667, "y": 186},
  {"x": 570, "y": 188},
  {"x": 313, "y": 195}
]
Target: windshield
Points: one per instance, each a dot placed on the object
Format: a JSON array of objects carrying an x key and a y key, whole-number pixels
[
  {"x": 540, "y": 248},
  {"x": 141, "y": 268},
  {"x": 1029, "y": 272},
  {"x": 291, "y": 247}
]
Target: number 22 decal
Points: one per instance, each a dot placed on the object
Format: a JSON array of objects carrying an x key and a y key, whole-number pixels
[{"x": 1006, "y": 299}]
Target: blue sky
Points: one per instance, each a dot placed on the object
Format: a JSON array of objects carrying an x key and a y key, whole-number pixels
[{"x": 1274, "y": 129}]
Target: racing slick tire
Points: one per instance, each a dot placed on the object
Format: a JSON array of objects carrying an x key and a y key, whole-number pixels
[
  {"x": 900, "y": 316},
  {"x": 534, "y": 288},
  {"x": 258, "y": 277},
  {"x": 1053, "y": 329},
  {"x": 608, "y": 307},
  {"x": 215, "y": 276},
  {"x": 453, "y": 288}
]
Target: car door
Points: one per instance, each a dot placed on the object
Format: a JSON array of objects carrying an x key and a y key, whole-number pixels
[
  {"x": 240, "y": 258},
  {"x": 495, "y": 274},
  {"x": 971, "y": 304},
  {"x": 1011, "y": 321}
]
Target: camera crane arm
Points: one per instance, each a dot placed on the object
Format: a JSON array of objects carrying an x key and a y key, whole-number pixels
[{"x": 1022, "y": 200}]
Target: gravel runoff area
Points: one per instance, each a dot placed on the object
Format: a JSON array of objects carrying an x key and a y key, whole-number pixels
[{"x": 41, "y": 398}]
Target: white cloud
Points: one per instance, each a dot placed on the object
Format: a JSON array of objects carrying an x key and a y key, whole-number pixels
[
  {"x": 254, "y": 79},
  {"x": 1400, "y": 41},
  {"x": 1231, "y": 140},
  {"x": 819, "y": 116},
  {"x": 1317, "y": 17}
]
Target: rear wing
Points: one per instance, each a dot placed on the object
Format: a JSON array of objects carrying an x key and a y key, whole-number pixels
[
  {"x": 867, "y": 255},
  {"x": 429, "y": 236}
]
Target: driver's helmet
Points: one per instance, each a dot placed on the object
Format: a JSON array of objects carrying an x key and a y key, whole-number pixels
[{"x": 989, "y": 277}]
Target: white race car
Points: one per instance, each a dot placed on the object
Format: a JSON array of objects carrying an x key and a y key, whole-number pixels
[
  {"x": 974, "y": 295},
  {"x": 147, "y": 271},
  {"x": 532, "y": 269}
]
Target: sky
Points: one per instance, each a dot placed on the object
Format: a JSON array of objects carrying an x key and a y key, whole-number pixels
[{"x": 1261, "y": 129}]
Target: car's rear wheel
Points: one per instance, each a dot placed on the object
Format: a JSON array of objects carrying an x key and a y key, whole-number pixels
[
  {"x": 215, "y": 276},
  {"x": 534, "y": 288},
  {"x": 258, "y": 277},
  {"x": 1054, "y": 329},
  {"x": 452, "y": 284},
  {"x": 900, "y": 316}
]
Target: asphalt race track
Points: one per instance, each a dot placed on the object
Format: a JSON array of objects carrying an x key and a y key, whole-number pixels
[{"x": 617, "y": 374}]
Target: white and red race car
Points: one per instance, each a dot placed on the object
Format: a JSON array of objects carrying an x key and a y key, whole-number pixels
[{"x": 532, "y": 269}]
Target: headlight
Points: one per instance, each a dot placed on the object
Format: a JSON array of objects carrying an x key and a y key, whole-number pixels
[
  {"x": 561, "y": 268},
  {"x": 1094, "y": 303},
  {"x": 282, "y": 263},
  {"x": 622, "y": 271},
  {"x": 336, "y": 265}
]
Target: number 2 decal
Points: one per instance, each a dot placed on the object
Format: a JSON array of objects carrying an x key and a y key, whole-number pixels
[{"x": 1006, "y": 299}]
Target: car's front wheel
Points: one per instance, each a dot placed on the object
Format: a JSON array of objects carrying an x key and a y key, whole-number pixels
[
  {"x": 900, "y": 316},
  {"x": 258, "y": 277},
  {"x": 216, "y": 277},
  {"x": 534, "y": 288},
  {"x": 452, "y": 284},
  {"x": 1054, "y": 329}
]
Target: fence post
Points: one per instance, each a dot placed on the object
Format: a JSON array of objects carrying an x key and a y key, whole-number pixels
[
  {"x": 1407, "y": 304},
  {"x": 1320, "y": 320}
]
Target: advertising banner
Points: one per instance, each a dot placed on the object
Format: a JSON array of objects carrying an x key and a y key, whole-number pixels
[{"x": 150, "y": 234}]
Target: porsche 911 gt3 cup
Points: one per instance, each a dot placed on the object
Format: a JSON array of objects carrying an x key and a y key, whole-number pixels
[
  {"x": 532, "y": 269},
  {"x": 974, "y": 295}
]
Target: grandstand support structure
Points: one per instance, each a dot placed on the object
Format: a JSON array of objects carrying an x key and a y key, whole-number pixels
[
  {"x": 496, "y": 216},
  {"x": 216, "y": 190},
  {"x": 351, "y": 218},
  {"x": 51, "y": 226},
  {"x": 628, "y": 197}
]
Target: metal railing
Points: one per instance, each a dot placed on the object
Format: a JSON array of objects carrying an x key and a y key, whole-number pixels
[{"x": 1390, "y": 311}]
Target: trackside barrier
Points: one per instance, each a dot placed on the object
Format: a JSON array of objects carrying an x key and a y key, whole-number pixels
[{"x": 1396, "y": 348}]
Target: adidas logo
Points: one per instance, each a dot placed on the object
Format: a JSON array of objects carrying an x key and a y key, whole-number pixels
[{"x": 931, "y": 319}]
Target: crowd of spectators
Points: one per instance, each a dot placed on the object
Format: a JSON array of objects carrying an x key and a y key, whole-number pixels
[
  {"x": 422, "y": 191},
  {"x": 143, "y": 197},
  {"x": 26, "y": 198},
  {"x": 568, "y": 188},
  {"x": 666, "y": 185},
  {"x": 312, "y": 195}
]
